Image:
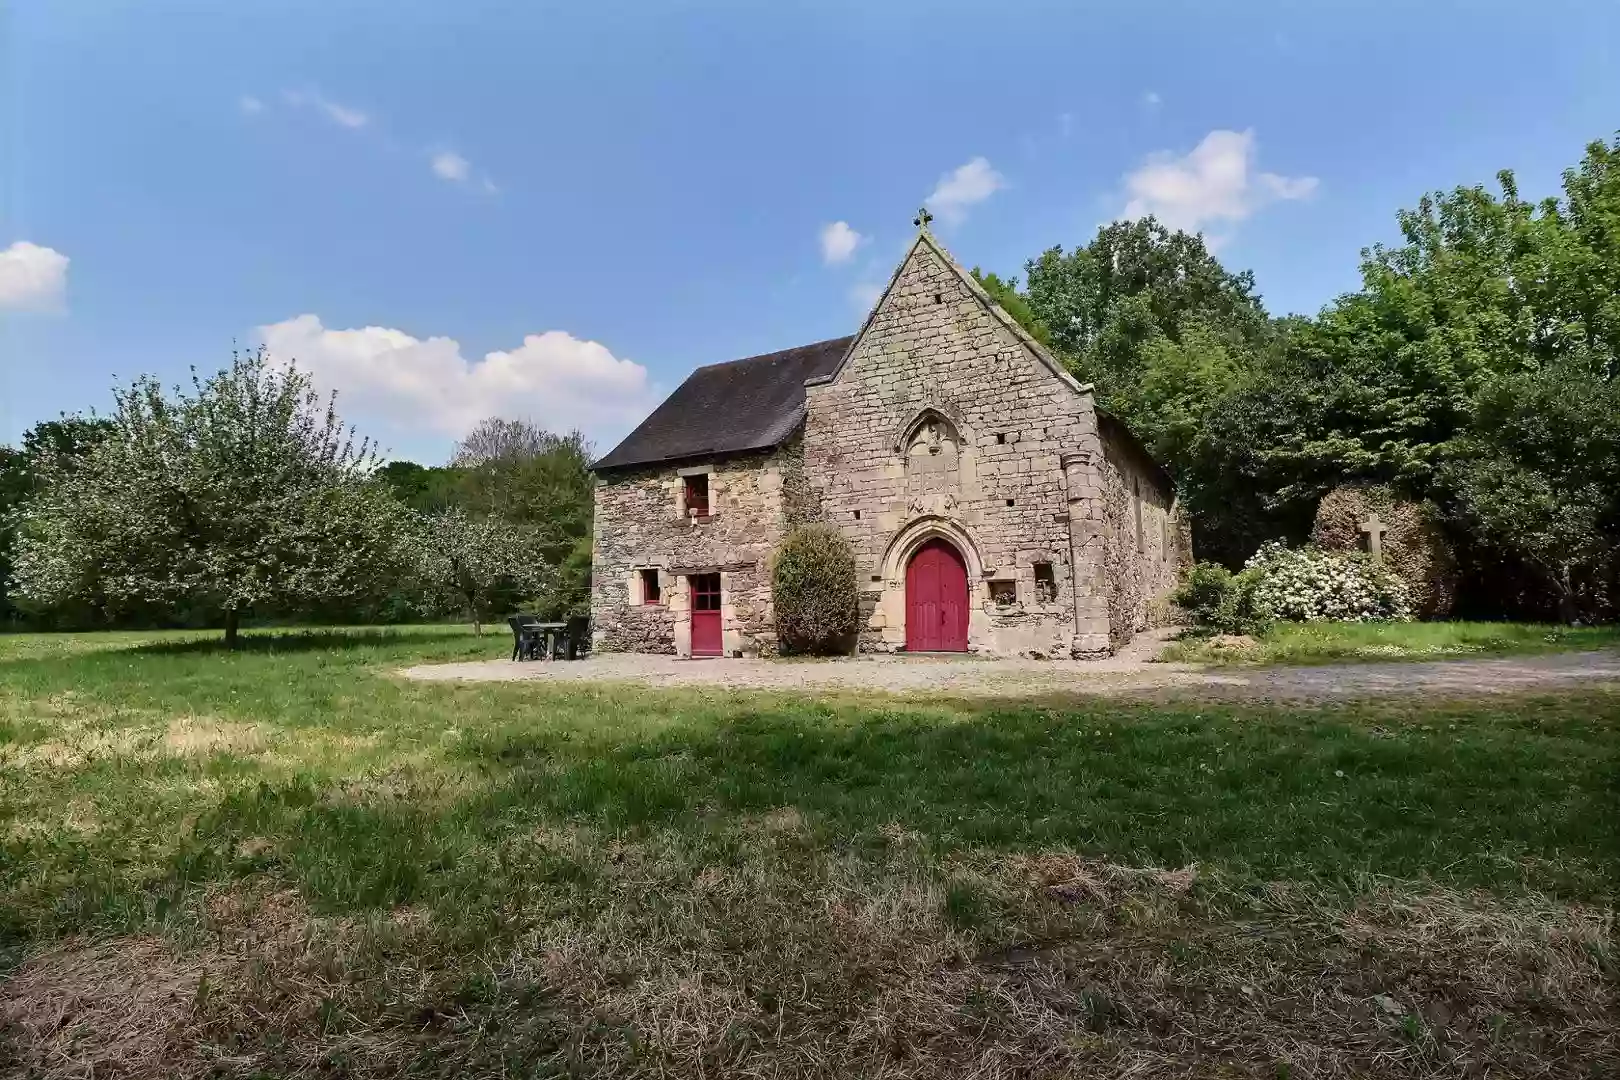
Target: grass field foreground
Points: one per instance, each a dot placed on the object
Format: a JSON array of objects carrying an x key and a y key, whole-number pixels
[
  {"x": 1330, "y": 642},
  {"x": 288, "y": 862}
]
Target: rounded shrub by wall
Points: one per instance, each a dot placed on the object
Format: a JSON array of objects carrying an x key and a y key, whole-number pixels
[
  {"x": 1214, "y": 598},
  {"x": 1413, "y": 545},
  {"x": 814, "y": 592}
]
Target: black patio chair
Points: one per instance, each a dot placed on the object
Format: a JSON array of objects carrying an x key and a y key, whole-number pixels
[
  {"x": 527, "y": 638},
  {"x": 577, "y": 636}
]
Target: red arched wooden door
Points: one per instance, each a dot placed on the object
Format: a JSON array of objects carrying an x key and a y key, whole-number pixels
[{"x": 936, "y": 599}]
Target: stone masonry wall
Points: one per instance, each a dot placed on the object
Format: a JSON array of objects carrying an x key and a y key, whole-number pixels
[
  {"x": 641, "y": 522},
  {"x": 1144, "y": 545},
  {"x": 944, "y": 423}
]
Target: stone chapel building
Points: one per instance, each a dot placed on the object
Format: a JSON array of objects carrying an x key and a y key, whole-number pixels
[{"x": 992, "y": 506}]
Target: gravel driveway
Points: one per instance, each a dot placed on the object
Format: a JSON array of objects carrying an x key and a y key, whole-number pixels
[{"x": 1124, "y": 674}]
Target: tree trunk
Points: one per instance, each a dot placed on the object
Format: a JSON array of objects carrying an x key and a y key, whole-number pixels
[
  {"x": 1568, "y": 613},
  {"x": 231, "y": 618}
]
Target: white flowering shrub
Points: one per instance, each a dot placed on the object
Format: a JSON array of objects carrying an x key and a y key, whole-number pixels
[{"x": 1304, "y": 584}]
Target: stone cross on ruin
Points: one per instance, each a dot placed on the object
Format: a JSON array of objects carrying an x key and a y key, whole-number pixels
[
  {"x": 1374, "y": 528},
  {"x": 923, "y": 218}
]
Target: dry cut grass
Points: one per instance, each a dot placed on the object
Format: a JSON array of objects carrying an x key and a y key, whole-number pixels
[
  {"x": 794, "y": 962},
  {"x": 285, "y": 863}
]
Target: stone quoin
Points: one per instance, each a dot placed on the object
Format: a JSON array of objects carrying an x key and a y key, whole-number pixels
[{"x": 940, "y": 431}]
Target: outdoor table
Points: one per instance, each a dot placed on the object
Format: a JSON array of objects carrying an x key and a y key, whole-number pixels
[{"x": 551, "y": 633}]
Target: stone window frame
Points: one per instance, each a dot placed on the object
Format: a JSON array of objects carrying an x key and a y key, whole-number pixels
[
  {"x": 681, "y": 509},
  {"x": 637, "y": 591}
]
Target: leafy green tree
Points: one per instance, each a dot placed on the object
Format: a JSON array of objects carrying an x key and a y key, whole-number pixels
[
  {"x": 1539, "y": 477},
  {"x": 243, "y": 491},
  {"x": 423, "y": 488},
  {"x": 1136, "y": 280},
  {"x": 66, "y": 441},
  {"x": 1004, "y": 291},
  {"x": 521, "y": 473},
  {"x": 476, "y": 560},
  {"x": 1485, "y": 286},
  {"x": 1181, "y": 383}
]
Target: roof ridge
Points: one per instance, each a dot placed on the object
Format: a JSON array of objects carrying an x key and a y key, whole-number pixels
[
  {"x": 773, "y": 352},
  {"x": 750, "y": 403}
]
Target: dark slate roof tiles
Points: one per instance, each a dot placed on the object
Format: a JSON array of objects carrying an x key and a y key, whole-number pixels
[{"x": 730, "y": 408}]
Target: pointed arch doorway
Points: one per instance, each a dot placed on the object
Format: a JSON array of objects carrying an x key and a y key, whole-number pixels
[{"x": 936, "y": 599}]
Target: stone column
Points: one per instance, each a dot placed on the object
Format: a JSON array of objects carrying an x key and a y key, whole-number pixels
[{"x": 1082, "y": 479}]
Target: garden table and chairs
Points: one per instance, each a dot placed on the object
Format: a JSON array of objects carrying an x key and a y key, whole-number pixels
[{"x": 537, "y": 639}]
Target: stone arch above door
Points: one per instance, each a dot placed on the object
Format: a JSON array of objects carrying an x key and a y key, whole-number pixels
[{"x": 919, "y": 531}]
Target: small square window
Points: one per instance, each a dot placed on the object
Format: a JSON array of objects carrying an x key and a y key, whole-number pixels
[
  {"x": 649, "y": 586},
  {"x": 1003, "y": 593},
  {"x": 857, "y": 515},
  {"x": 1001, "y": 438},
  {"x": 939, "y": 298},
  {"x": 1009, "y": 502},
  {"x": 697, "y": 495},
  {"x": 1045, "y": 583}
]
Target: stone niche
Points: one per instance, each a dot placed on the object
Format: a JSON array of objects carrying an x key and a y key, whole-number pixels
[{"x": 931, "y": 452}]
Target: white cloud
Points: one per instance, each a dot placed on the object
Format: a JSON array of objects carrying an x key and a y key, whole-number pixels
[
  {"x": 451, "y": 166},
  {"x": 1213, "y": 184},
  {"x": 32, "y": 278},
  {"x": 409, "y": 386},
  {"x": 249, "y": 104},
  {"x": 341, "y": 115},
  {"x": 1152, "y": 100},
  {"x": 838, "y": 242},
  {"x": 963, "y": 187},
  {"x": 864, "y": 295},
  {"x": 1289, "y": 187}
]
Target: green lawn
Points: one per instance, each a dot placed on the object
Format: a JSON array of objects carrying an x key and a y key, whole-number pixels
[
  {"x": 1338, "y": 642},
  {"x": 286, "y": 861}
]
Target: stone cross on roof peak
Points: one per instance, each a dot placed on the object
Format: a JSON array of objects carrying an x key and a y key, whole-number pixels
[{"x": 923, "y": 218}]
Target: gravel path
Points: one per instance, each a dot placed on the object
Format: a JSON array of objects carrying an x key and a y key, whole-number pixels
[{"x": 1129, "y": 673}]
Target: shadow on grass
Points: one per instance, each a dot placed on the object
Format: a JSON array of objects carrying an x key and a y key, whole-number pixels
[
  {"x": 1503, "y": 795},
  {"x": 296, "y": 641}
]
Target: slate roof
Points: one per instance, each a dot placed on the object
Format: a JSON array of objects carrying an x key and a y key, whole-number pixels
[{"x": 740, "y": 405}]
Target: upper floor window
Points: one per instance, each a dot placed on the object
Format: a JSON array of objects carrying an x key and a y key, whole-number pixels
[{"x": 697, "y": 495}]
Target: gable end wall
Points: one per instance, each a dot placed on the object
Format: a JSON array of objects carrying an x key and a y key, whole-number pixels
[{"x": 933, "y": 344}]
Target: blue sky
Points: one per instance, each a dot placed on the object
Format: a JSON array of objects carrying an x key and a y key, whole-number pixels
[{"x": 446, "y": 210}]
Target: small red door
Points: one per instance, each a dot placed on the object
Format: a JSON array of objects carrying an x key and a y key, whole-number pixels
[
  {"x": 936, "y": 600},
  {"x": 705, "y": 614}
]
